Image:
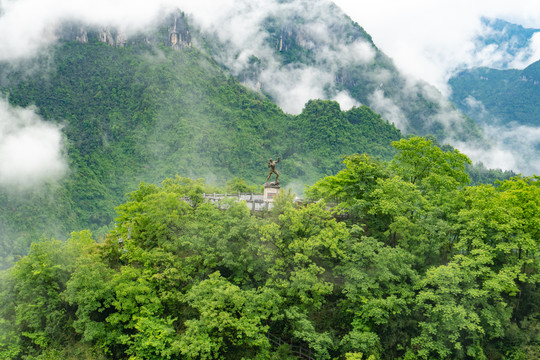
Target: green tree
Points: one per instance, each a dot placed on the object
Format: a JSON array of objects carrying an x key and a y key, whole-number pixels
[
  {"x": 230, "y": 323},
  {"x": 239, "y": 185},
  {"x": 377, "y": 296},
  {"x": 34, "y": 312},
  {"x": 302, "y": 249},
  {"x": 462, "y": 307},
  {"x": 421, "y": 162},
  {"x": 121, "y": 312}
]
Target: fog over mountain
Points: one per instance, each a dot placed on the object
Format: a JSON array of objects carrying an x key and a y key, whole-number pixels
[
  {"x": 435, "y": 40},
  {"x": 432, "y": 40},
  {"x": 31, "y": 150},
  {"x": 29, "y": 28}
]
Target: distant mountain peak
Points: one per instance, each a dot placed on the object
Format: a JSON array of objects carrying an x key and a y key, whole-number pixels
[{"x": 511, "y": 42}]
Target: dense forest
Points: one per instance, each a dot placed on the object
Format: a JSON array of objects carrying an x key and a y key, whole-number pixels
[
  {"x": 168, "y": 102},
  {"x": 400, "y": 248},
  {"x": 508, "y": 96},
  {"x": 410, "y": 262},
  {"x": 144, "y": 113}
]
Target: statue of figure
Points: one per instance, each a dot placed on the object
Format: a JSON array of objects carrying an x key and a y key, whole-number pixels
[{"x": 272, "y": 166}]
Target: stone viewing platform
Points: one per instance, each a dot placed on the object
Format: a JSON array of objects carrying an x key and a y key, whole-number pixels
[
  {"x": 254, "y": 201},
  {"x": 271, "y": 189}
]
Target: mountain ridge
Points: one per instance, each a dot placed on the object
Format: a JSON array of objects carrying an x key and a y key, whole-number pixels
[
  {"x": 161, "y": 103},
  {"x": 508, "y": 95},
  {"x": 135, "y": 114}
]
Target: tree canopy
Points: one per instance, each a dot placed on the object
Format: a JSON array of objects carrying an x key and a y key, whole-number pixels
[{"x": 391, "y": 260}]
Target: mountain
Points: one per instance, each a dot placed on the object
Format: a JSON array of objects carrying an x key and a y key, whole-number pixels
[
  {"x": 415, "y": 265},
  {"x": 501, "y": 93},
  {"x": 142, "y": 111},
  {"x": 212, "y": 102},
  {"x": 507, "y": 95},
  {"x": 510, "y": 41},
  {"x": 298, "y": 50},
  {"x": 502, "y": 99}
]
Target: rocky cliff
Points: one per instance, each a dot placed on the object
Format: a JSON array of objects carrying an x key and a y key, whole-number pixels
[
  {"x": 177, "y": 36},
  {"x": 178, "y": 31}
]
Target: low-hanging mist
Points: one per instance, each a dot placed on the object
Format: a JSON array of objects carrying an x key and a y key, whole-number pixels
[
  {"x": 254, "y": 43},
  {"x": 31, "y": 150}
]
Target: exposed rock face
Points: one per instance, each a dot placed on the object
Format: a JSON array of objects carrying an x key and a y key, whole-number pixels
[
  {"x": 82, "y": 36},
  {"x": 82, "y": 33},
  {"x": 290, "y": 37},
  {"x": 121, "y": 40},
  {"x": 179, "y": 36},
  {"x": 112, "y": 37},
  {"x": 73, "y": 32}
]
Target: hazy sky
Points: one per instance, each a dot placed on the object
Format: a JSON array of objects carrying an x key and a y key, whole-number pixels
[{"x": 430, "y": 38}]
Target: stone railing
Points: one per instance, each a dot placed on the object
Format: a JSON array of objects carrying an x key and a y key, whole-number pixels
[{"x": 254, "y": 201}]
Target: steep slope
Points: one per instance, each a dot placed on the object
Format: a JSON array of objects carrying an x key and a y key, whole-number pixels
[
  {"x": 173, "y": 101},
  {"x": 508, "y": 43},
  {"x": 508, "y": 95},
  {"x": 503, "y": 98},
  {"x": 297, "y": 50},
  {"x": 143, "y": 112}
]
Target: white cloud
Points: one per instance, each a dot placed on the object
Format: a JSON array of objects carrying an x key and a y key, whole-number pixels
[
  {"x": 240, "y": 25},
  {"x": 426, "y": 39},
  {"x": 345, "y": 100},
  {"x": 511, "y": 148},
  {"x": 31, "y": 150},
  {"x": 28, "y": 27},
  {"x": 388, "y": 109},
  {"x": 526, "y": 55},
  {"x": 291, "y": 88},
  {"x": 494, "y": 157},
  {"x": 430, "y": 39}
]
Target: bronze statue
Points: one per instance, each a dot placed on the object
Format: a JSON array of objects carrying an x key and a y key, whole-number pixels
[{"x": 272, "y": 166}]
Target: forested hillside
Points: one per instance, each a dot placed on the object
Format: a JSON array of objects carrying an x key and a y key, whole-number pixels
[
  {"x": 394, "y": 253},
  {"x": 178, "y": 99},
  {"x": 143, "y": 113},
  {"x": 310, "y": 49},
  {"x": 507, "y": 95},
  {"x": 412, "y": 264}
]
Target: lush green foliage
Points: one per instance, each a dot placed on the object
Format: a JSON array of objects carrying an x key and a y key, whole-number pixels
[
  {"x": 365, "y": 77},
  {"x": 412, "y": 263},
  {"x": 142, "y": 114},
  {"x": 507, "y": 95}
]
